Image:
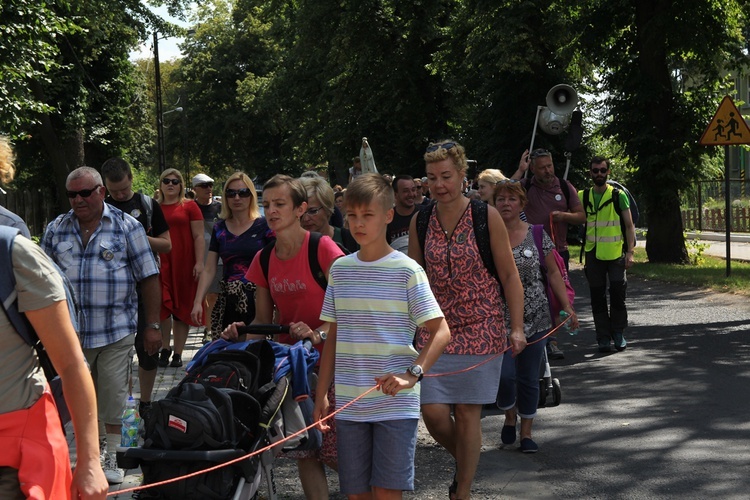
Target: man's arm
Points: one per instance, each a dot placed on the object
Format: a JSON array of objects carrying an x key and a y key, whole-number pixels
[
  {"x": 627, "y": 217},
  {"x": 523, "y": 166},
  {"x": 151, "y": 292},
  {"x": 161, "y": 243},
  {"x": 52, "y": 324}
]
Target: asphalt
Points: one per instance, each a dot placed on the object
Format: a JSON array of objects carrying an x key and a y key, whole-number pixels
[{"x": 605, "y": 439}]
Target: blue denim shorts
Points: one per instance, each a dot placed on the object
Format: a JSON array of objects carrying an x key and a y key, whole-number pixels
[{"x": 379, "y": 454}]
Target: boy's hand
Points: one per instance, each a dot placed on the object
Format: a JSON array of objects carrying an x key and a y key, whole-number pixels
[
  {"x": 321, "y": 411},
  {"x": 391, "y": 383}
]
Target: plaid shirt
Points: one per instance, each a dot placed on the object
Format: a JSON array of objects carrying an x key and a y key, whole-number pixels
[{"x": 104, "y": 273}]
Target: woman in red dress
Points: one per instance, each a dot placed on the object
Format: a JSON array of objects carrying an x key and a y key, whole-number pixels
[{"x": 182, "y": 267}]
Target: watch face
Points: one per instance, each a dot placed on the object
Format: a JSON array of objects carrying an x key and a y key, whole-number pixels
[{"x": 415, "y": 370}]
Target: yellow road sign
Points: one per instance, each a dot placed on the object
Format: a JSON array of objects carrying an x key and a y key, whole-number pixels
[{"x": 727, "y": 127}]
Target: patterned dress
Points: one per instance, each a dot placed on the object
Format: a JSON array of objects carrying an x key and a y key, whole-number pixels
[{"x": 471, "y": 300}]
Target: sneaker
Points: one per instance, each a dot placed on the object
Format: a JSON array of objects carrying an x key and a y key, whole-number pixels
[
  {"x": 529, "y": 446},
  {"x": 620, "y": 342},
  {"x": 114, "y": 474},
  {"x": 176, "y": 361},
  {"x": 554, "y": 352},
  {"x": 604, "y": 346},
  {"x": 102, "y": 450},
  {"x": 164, "y": 357}
]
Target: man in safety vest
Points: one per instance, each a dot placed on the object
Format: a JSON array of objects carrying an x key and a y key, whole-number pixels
[{"x": 610, "y": 238}]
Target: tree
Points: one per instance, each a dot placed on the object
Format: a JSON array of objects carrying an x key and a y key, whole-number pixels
[{"x": 661, "y": 67}]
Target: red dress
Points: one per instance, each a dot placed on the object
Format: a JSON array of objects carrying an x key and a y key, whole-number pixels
[{"x": 178, "y": 287}]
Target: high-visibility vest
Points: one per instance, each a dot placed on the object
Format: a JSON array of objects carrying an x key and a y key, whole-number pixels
[{"x": 603, "y": 230}]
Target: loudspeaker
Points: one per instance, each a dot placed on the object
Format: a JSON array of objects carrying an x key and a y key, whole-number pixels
[{"x": 562, "y": 99}]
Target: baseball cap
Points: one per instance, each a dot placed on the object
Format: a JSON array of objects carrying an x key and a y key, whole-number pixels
[{"x": 200, "y": 179}]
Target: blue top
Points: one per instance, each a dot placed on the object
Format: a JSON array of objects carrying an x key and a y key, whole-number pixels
[{"x": 237, "y": 251}]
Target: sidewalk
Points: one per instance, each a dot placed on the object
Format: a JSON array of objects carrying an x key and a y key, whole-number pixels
[
  {"x": 739, "y": 244},
  {"x": 166, "y": 378}
]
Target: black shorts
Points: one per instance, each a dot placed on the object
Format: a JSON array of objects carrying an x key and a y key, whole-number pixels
[{"x": 145, "y": 361}]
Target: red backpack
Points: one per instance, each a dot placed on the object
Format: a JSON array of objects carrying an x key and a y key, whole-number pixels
[{"x": 554, "y": 305}]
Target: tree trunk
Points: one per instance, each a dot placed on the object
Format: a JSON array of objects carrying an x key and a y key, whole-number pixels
[{"x": 665, "y": 241}]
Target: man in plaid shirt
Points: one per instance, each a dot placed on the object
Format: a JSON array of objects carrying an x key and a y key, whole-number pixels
[{"x": 105, "y": 254}]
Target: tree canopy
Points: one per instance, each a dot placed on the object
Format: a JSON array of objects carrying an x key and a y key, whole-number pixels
[{"x": 283, "y": 85}]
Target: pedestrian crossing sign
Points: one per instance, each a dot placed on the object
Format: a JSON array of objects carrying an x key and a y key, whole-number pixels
[{"x": 727, "y": 127}]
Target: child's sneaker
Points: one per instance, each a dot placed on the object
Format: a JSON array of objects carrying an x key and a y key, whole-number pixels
[{"x": 112, "y": 472}]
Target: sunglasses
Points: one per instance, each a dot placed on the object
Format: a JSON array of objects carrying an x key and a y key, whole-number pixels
[
  {"x": 167, "y": 182},
  {"x": 538, "y": 153},
  {"x": 313, "y": 211},
  {"x": 599, "y": 170},
  {"x": 242, "y": 193},
  {"x": 83, "y": 193},
  {"x": 502, "y": 182},
  {"x": 205, "y": 185},
  {"x": 435, "y": 147}
]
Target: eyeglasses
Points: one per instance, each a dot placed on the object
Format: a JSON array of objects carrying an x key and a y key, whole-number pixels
[
  {"x": 167, "y": 182},
  {"x": 539, "y": 152},
  {"x": 502, "y": 182},
  {"x": 205, "y": 185},
  {"x": 602, "y": 170},
  {"x": 83, "y": 193},
  {"x": 443, "y": 145},
  {"x": 242, "y": 193},
  {"x": 313, "y": 211}
]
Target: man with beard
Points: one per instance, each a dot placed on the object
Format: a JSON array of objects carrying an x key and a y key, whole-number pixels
[
  {"x": 549, "y": 197},
  {"x": 405, "y": 192},
  {"x": 610, "y": 238}
]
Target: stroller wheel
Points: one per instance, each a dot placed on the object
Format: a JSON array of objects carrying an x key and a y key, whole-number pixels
[{"x": 556, "y": 392}]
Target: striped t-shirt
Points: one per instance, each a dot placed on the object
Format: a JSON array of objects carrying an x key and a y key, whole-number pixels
[{"x": 376, "y": 307}]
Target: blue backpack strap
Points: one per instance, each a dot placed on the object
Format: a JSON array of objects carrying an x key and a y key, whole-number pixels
[{"x": 8, "y": 293}]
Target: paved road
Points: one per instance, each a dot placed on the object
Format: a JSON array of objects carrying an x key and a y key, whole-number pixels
[{"x": 667, "y": 418}]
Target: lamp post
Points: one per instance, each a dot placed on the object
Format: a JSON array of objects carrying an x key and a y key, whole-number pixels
[{"x": 159, "y": 118}]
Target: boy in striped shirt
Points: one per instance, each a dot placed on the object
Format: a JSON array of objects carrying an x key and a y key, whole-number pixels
[{"x": 375, "y": 299}]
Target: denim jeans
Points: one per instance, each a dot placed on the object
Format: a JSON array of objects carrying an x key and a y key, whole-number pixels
[{"x": 519, "y": 379}]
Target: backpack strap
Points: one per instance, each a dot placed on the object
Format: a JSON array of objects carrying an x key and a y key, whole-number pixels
[
  {"x": 423, "y": 221},
  {"x": 8, "y": 294},
  {"x": 482, "y": 234},
  {"x": 148, "y": 206},
  {"x": 312, "y": 256}
]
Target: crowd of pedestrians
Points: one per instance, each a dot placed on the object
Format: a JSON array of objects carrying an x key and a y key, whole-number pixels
[{"x": 436, "y": 297}]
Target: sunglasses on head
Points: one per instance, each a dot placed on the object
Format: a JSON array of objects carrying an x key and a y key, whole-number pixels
[
  {"x": 313, "y": 211},
  {"x": 602, "y": 170},
  {"x": 502, "y": 182},
  {"x": 167, "y": 182},
  {"x": 205, "y": 185},
  {"x": 539, "y": 152},
  {"x": 83, "y": 193},
  {"x": 242, "y": 193},
  {"x": 443, "y": 145}
]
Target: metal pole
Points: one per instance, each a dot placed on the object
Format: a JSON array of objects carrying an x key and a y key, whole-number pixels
[
  {"x": 727, "y": 208},
  {"x": 533, "y": 134},
  {"x": 161, "y": 154}
]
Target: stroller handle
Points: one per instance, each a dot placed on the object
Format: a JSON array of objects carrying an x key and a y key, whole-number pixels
[
  {"x": 270, "y": 330},
  {"x": 262, "y": 329}
]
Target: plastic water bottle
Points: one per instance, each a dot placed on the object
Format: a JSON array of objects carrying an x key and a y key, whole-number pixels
[
  {"x": 130, "y": 422},
  {"x": 563, "y": 316}
]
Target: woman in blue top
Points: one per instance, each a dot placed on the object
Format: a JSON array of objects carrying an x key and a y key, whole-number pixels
[{"x": 239, "y": 234}]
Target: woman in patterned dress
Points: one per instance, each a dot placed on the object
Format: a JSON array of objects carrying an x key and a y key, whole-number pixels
[{"x": 466, "y": 376}]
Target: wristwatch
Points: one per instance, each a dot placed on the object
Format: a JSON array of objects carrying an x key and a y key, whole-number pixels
[
  {"x": 323, "y": 335},
  {"x": 155, "y": 326},
  {"x": 417, "y": 371}
]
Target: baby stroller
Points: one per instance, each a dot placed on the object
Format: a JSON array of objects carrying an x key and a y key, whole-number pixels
[
  {"x": 236, "y": 399},
  {"x": 549, "y": 388}
]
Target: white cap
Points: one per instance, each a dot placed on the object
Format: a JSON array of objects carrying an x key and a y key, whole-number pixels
[{"x": 200, "y": 179}]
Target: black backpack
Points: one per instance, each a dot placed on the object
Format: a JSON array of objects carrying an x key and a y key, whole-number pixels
[{"x": 481, "y": 232}]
